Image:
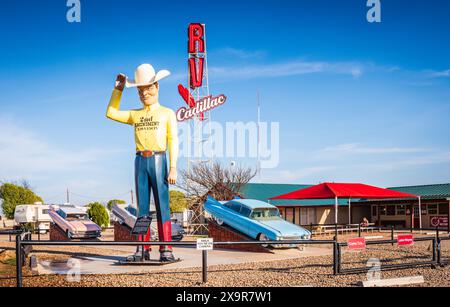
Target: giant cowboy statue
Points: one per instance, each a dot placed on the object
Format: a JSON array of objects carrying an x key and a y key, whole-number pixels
[{"x": 156, "y": 133}]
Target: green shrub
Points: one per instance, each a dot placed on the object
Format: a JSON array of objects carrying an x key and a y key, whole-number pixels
[
  {"x": 98, "y": 214},
  {"x": 178, "y": 202},
  {"x": 14, "y": 195}
]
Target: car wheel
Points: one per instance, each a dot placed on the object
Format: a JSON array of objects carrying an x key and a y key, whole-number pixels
[
  {"x": 219, "y": 221},
  {"x": 262, "y": 237}
]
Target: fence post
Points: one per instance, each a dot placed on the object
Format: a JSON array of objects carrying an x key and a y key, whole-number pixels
[
  {"x": 438, "y": 247},
  {"x": 392, "y": 234},
  {"x": 205, "y": 266},
  {"x": 438, "y": 251},
  {"x": 19, "y": 261},
  {"x": 336, "y": 231},
  {"x": 359, "y": 230},
  {"x": 434, "y": 249},
  {"x": 338, "y": 259},
  {"x": 335, "y": 260}
]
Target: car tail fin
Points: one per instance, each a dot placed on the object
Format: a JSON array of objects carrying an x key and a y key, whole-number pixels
[{"x": 211, "y": 199}]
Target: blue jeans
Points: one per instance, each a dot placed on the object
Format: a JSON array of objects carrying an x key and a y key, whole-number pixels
[{"x": 151, "y": 175}]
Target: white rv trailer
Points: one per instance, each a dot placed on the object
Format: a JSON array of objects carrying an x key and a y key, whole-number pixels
[{"x": 36, "y": 214}]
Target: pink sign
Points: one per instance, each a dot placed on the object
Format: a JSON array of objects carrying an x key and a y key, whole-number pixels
[
  {"x": 405, "y": 240},
  {"x": 356, "y": 243},
  {"x": 439, "y": 221}
]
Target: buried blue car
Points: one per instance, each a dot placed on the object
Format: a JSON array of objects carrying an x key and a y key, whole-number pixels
[{"x": 256, "y": 219}]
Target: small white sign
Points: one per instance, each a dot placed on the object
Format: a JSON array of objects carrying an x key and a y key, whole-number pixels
[{"x": 205, "y": 244}]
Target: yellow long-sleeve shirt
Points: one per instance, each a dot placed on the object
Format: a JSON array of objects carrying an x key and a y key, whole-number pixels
[{"x": 155, "y": 127}]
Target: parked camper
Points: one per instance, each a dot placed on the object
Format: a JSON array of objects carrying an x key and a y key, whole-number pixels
[
  {"x": 36, "y": 214},
  {"x": 184, "y": 218}
]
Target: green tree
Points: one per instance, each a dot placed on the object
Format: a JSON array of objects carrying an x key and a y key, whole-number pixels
[
  {"x": 98, "y": 214},
  {"x": 114, "y": 202},
  {"x": 13, "y": 195},
  {"x": 178, "y": 201}
]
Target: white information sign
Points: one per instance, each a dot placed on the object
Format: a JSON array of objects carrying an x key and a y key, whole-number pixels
[{"x": 205, "y": 244}]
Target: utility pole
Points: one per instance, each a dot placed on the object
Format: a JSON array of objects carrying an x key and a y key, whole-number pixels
[
  {"x": 132, "y": 197},
  {"x": 68, "y": 197},
  {"x": 259, "y": 137}
]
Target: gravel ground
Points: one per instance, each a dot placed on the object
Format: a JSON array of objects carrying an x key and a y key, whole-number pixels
[{"x": 314, "y": 271}]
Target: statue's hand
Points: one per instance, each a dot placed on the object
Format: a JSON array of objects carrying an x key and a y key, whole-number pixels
[
  {"x": 173, "y": 176},
  {"x": 120, "y": 82}
]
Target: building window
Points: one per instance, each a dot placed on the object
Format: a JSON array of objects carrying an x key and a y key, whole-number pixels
[
  {"x": 424, "y": 210},
  {"x": 390, "y": 210},
  {"x": 443, "y": 208},
  {"x": 401, "y": 210},
  {"x": 382, "y": 210},
  {"x": 290, "y": 215},
  {"x": 432, "y": 209},
  {"x": 374, "y": 211}
]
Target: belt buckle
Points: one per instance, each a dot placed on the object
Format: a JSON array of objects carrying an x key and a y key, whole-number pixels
[{"x": 147, "y": 154}]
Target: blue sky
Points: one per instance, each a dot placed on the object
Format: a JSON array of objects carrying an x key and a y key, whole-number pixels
[{"x": 355, "y": 101}]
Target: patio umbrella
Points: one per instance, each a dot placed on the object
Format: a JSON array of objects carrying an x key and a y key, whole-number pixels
[{"x": 344, "y": 190}]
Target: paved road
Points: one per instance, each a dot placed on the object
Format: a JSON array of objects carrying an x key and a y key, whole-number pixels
[{"x": 191, "y": 258}]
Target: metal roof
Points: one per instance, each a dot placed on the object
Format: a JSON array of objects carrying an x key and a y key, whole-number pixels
[
  {"x": 427, "y": 191},
  {"x": 264, "y": 191}
]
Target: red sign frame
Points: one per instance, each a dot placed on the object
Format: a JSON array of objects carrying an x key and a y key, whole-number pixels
[
  {"x": 356, "y": 243},
  {"x": 405, "y": 240}
]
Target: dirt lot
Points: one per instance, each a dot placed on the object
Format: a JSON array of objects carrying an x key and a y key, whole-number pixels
[{"x": 311, "y": 271}]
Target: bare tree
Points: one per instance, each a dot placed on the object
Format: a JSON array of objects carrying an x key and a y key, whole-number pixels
[
  {"x": 215, "y": 180},
  {"x": 26, "y": 184}
]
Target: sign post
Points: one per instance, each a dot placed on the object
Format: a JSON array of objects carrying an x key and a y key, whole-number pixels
[{"x": 205, "y": 245}]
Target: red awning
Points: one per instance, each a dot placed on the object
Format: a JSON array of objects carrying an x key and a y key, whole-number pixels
[{"x": 344, "y": 190}]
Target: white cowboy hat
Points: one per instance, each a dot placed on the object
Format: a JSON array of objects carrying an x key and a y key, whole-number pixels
[{"x": 145, "y": 75}]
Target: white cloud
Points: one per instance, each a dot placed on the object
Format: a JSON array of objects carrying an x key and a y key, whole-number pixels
[
  {"x": 358, "y": 149},
  {"x": 239, "y": 53},
  {"x": 439, "y": 74},
  {"x": 381, "y": 165},
  {"x": 25, "y": 154},
  {"x": 292, "y": 68},
  {"x": 296, "y": 175}
]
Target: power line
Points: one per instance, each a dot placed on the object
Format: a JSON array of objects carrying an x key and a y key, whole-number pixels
[{"x": 98, "y": 197}]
